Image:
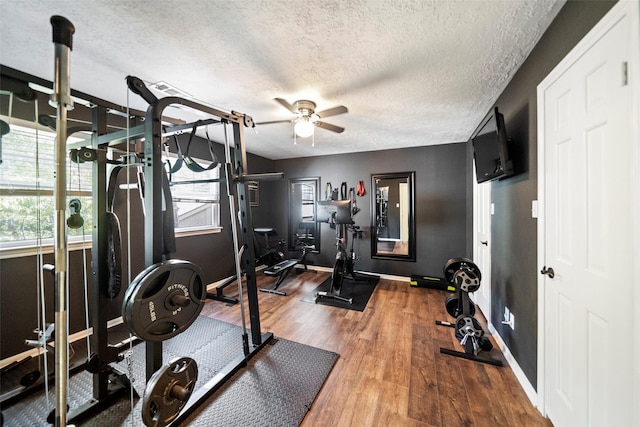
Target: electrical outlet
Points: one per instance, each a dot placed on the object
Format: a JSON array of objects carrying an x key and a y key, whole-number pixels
[{"x": 509, "y": 318}]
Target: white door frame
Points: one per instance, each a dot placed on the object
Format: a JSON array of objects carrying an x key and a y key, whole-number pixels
[
  {"x": 623, "y": 7},
  {"x": 478, "y": 209}
]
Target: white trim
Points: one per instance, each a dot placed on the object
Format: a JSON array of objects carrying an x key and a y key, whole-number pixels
[
  {"x": 76, "y": 243},
  {"x": 541, "y": 252},
  {"x": 382, "y": 276},
  {"x": 621, "y": 9},
  {"x": 198, "y": 231},
  {"x": 518, "y": 372},
  {"x": 634, "y": 80},
  {"x": 47, "y": 248}
]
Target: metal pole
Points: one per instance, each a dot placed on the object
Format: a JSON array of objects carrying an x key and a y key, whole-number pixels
[{"x": 61, "y": 98}]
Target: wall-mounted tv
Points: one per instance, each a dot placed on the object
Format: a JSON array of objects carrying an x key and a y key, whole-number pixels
[{"x": 491, "y": 148}]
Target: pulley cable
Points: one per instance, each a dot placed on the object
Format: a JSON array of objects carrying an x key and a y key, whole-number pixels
[
  {"x": 129, "y": 354},
  {"x": 42, "y": 344}
]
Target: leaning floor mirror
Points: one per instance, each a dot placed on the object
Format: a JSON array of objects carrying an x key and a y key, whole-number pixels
[{"x": 393, "y": 217}]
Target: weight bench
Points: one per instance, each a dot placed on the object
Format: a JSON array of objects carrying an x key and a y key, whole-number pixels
[{"x": 281, "y": 270}]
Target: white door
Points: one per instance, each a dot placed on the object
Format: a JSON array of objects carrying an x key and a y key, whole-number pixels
[
  {"x": 587, "y": 188},
  {"x": 482, "y": 245}
]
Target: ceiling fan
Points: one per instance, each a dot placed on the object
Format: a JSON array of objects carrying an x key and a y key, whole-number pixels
[{"x": 307, "y": 119}]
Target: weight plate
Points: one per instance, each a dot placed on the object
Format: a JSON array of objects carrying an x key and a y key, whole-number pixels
[
  {"x": 485, "y": 344},
  {"x": 467, "y": 325},
  {"x": 452, "y": 304},
  {"x": 466, "y": 280},
  {"x": 168, "y": 391},
  {"x": 164, "y": 300},
  {"x": 30, "y": 378},
  {"x": 455, "y": 264}
]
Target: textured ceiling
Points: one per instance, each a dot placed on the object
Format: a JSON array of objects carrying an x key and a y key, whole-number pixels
[{"x": 411, "y": 72}]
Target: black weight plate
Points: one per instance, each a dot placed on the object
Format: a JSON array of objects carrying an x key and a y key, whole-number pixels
[
  {"x": 164, "y": 300},
  {"x": 455, "y": 264},
  {"x": 466, "y": 280},
  {"x": 485, "y": 344},
  {"x": 30, "y": 378},
  {"x": 451, "y": 303},
  {"x": 467, "y": 325},
  {"x": 168, "y": 390}
]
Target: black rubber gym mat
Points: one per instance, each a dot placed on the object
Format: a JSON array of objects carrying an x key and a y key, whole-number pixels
[
  {"x": 359, "y": 290},
  {"x": 277, "y": 387}
]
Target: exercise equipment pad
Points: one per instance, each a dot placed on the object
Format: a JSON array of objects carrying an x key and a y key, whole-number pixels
[
  {"x": 359, "y": 290},
  {"x": 277, "y": 387}
]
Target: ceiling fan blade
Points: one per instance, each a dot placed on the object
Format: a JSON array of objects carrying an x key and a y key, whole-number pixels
[
  {"x": 286, "y": 105},
  {"x": 327, "y": 126},
  {"x": 341, "y": 109},
  {"x": 275, "y": 121}
]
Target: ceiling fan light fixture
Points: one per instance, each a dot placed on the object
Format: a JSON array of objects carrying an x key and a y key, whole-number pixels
[{"x": 304, "y": 128}]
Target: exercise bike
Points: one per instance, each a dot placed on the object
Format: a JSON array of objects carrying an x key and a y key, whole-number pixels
[{"x": 344, "y": 264}]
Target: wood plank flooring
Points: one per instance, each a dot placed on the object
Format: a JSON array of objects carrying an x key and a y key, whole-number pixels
[{"x": 390, "y": 371}]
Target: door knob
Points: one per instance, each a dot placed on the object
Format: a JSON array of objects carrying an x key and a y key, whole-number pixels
[
  {"x": 548, "y": 271},
  {"x": 486, "y": 243}
]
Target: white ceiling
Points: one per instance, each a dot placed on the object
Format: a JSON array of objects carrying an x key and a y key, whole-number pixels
[{"x": 411, "y": 72}]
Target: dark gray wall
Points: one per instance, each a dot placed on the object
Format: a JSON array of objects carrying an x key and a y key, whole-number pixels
[
  {"x": 514, "y": 232},
  {"x": 441, "y": 188}
]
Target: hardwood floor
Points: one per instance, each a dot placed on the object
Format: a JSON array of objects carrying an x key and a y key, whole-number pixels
[{"x": 390, "y": 371}]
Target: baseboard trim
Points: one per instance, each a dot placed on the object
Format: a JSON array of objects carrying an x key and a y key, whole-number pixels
[
  {"x": 382, "y": 276},
  {"x": 530, "y": 391}
]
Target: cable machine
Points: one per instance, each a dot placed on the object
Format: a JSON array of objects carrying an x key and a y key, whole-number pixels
[{"x": 109, "y": 383}]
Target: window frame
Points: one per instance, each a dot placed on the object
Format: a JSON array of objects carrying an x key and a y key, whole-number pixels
[{"x": 44, "y": 245}]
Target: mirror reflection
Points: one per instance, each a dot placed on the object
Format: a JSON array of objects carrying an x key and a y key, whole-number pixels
[
  {"x": 393, "y": 227},
  {"x": 303, "y": 228}
]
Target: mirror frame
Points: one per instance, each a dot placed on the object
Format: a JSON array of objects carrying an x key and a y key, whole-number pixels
[
  {"x": 291, "y": 182},
  {"x": 411, "y": 255}
]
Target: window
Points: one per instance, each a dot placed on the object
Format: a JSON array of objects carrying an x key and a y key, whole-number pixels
[
  {"x": 27, "y": 183},
  {"x": 196, "y": 205},
  {"x": 26, "y": 187},
  {"x": 308, "y": 202}
]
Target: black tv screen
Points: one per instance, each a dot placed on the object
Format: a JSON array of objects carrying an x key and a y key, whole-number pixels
[{"x": 491, "y": 148}]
